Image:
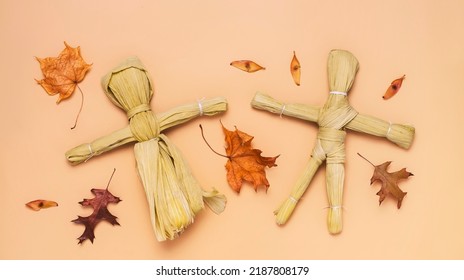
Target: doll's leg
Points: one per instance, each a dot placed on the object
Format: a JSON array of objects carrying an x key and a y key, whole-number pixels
[
  {"x": 285, "y": 210},
  {"x": 335, "y": 176},
  {"x": 333, "y": 145}
]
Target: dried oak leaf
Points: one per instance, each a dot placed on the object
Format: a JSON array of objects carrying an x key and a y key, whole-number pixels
[
  {"x": 247, "y": 65},
  {"x": 100, "y": 212},
  {"x": 38, "y": 204},
  {"x": 389, "y": 181},
  {"x": 393, "y": 88},
  {"x": 245, "y": 163},
  {"x": 63, "y": 73}
]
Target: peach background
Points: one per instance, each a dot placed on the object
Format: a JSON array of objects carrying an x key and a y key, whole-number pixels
[{"x": 187, "y": 47}]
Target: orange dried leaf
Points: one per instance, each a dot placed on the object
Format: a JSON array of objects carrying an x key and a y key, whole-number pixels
[
  {"x": 389, "y": 181},
  {"x": 393, "y": 88},
  {"x": 63, "y": 73},
  {"x": 245, "y": 163},
  {"x": 247, "y": 65},
  {"x": 295, "y": 69},
  {"x": 38, "y": 204}
]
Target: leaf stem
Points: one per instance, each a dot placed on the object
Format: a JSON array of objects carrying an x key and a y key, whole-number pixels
[
  {"x": 80, "y": 109},
  {"x": 203, "y": 135},
  {"x": 366, "y": 159},
  {"x": 114, "y": 170}
]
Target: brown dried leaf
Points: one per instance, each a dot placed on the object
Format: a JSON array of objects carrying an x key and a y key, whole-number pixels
[
  {"x": 247, "y": 65},
  {"x": 295, "y": 69},
  {"x": 389, "y": 181},
  {"x": 38, "y": 204},
  {"x": 393, "y": 88},
  {"x": 100, "y": 212}
]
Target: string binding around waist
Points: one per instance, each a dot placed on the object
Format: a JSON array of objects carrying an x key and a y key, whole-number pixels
[{"x": 338, "y": 93}]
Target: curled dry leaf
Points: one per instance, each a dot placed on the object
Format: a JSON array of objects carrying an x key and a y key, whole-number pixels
[
  {"x": 244, "y": 163},
  {"x": 38, "y": 204},
  {"x": 247, "y": 65},
  {"x": 295, "y": 69},
  {"x": 393, "y": 88},
  {"x": 389, "y": 181}
]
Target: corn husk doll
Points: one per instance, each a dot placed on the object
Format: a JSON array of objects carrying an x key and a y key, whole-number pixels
[
  {"x": 174, "y": 196},
  {"x": 333, "y": 119}
]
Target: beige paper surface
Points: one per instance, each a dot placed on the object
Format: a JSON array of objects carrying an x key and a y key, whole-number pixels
[{"x": 187, "y": 47}]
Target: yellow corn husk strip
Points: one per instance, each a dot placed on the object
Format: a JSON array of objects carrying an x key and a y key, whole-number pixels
[
  {"x": 332, "y": 118},
  {"x": 170, "y": 212},
  {"x": 194, "y": 194},
  {"x": 173, "y": 194}
]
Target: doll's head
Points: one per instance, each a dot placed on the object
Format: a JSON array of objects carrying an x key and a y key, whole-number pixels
[{"x": 342, "y": 67}]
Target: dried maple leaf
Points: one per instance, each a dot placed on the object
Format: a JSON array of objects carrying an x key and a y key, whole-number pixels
[
  {"x": 63, "y": 73},
  {"x": 38, "y": 204},
  {"x": 245, "y": 163},
  {"x": 295, "y": 69},
  {"x": 100, "y": 212},
  {"x": 389, "y": 181},
  {"x": 393, "y": 88},
  {"x": 247, "y": 65}
]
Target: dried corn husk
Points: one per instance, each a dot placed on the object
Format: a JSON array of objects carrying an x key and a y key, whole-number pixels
[
  {"x": 332, "y": 118},
  {"x": 173, "y": 194}
]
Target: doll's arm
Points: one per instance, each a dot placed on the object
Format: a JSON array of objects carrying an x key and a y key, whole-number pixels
[
  {"x": 400, "y": 134},
  {"x": 265, "y": 102},
  {"x": 173, "y": 117}
]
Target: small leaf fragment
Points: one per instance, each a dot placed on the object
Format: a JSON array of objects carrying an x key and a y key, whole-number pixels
[
  {"x": 295, "y": 69},
  {"x": 393, "y": 88},
  {"x": 38, "y": 204},
  {"x": 247, "y": 65}
]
